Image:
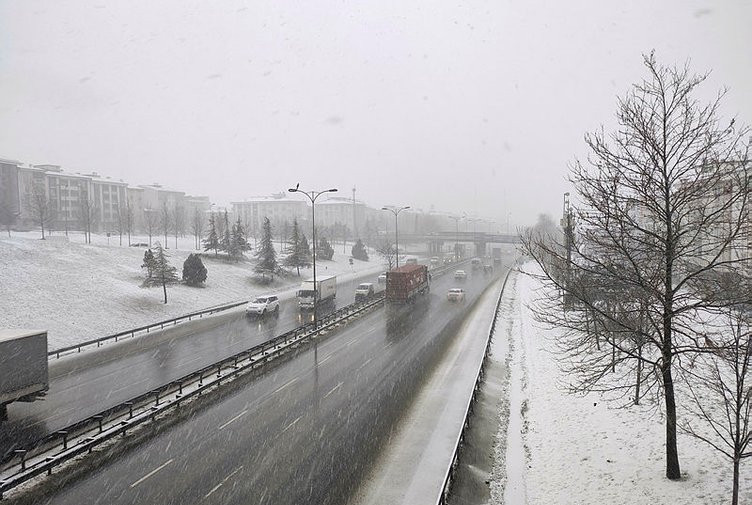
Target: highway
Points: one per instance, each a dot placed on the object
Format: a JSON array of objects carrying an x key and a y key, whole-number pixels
[
  {"x": 304, "y": 432},
  {"x": 85, "y": 384}
]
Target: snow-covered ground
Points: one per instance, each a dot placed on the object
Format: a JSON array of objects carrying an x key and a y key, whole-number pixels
[
  {"x": 565, "y": 449},
  {"x": 79, "y": 292}
]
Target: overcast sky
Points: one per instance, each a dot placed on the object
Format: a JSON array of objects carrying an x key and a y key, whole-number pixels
[{"x": 472, "y": 107}]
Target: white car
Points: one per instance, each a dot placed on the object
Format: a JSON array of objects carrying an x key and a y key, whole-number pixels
[
  {"x": 364, "y": 291},
  {"x": 262, "y": 305},
  {"x": 460, "y": 275},
  {"x": 456, "y": 295}
]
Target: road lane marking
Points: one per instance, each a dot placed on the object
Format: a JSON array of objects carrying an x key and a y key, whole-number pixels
[
  {"x": 364, "y": 364},
  {"x": 326, "y": 359},
  {"x": 207, "y": 495},
  {"x": 333, "y": 389},
  {"x": 139, "y": 481},
  {"x": 233, "y": 419},
  {"x": 283, "y": 386},
  {"x": 291, "y": 424}
]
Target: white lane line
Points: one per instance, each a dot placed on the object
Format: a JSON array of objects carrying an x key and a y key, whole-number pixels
[
  {"x": 233, "y": 419},
  {"x": 291, "y": 424},
  {"x": 333, "y": 389},
  {"x": 283, "y": 386},
  {"x": 364, "y": 364},
  {"x": 139, "y": 481},
  {"x": 207, "y": 495},
  {"x": 326, "y": 359}
]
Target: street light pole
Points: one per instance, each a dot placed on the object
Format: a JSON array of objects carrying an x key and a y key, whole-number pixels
[
  {"x": 396, "y": 212},
  {"x": 456, "y": 236},
  {"x": 312, "y": 196}
]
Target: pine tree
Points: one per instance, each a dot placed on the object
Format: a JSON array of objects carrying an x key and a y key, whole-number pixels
[
  {"x": 225, "y": 243},
  {"x": 265, "y": 254},
  {"x": 194, "y": 271},
  {"x": 325, "y": 250},
  {"x": 148, "y": 263},
  {"x": 211, "y": 242},
  {"x": 163, "y": 272},
  {"x": 359, "y": 251},
  {"x": 238, "y": 241},
  {"x": 305, "y": 252},
  {"x": 298, "y": 253}
]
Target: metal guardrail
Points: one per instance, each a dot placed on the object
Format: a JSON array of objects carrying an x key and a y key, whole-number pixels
[
  {"x": 54, "y": 449},
  {"x": 132, "y": 332},
  {"x": 449, "y": 475}
]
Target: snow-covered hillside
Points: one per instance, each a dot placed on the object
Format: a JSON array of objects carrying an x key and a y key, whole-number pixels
[{"x": 78, "y": 291}]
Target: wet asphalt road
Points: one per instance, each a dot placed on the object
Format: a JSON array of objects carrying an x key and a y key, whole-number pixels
[
  {"x": 83, "y": 385},
  {"x": 303, "y": 432}
]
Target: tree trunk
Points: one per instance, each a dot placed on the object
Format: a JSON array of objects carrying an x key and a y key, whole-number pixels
[
  {"x": 673, "y": 471},
  {"x": 639, "y": 375},
  {"x": 164, "y": 288},
  {"x": 735, "y": 492}
]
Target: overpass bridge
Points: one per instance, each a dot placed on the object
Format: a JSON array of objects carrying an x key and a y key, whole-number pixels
[{"x": 437, "y": 241}]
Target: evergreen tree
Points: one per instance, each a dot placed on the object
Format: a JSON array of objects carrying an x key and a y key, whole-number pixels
[
  {"x": 298, "y": 252},
  {"x": 265, "y": 254},
  {"x": 325, "y": 250},
  {"x": 148, "y": 263},
  {"x": 225, "y": 243},
  {"x": 163, "y": 273},
  {"x": 194, "y": 271},
  {"x": 211, "y": 242},
  {"x": 238, "y": 241},
  {"x": 305, "y": 252},
  {"x": 359, "y": 251}
]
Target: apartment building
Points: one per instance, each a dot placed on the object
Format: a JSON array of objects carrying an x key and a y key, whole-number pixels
[{"x": 279, "y": 208}]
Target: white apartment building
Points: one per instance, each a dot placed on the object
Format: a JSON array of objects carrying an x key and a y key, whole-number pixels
[{"x": 279, "y": 208}]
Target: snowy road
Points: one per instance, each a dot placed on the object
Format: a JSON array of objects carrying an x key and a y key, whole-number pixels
[
  {"x": 83, "y": 385},
  {"x": 304, "y": 432}
]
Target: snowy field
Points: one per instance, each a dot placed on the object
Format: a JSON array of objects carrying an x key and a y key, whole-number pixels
[
  {"x": 579, "y": 450},
  {"x": 79, "y": 292}
]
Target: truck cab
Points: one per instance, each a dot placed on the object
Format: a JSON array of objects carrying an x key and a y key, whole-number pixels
[{"x": 323, "y": 290}]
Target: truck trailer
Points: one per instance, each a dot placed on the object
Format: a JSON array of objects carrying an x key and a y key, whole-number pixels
[
  {"x": 325, "y": 290},
  {"x": 23, "y": 367},
  {"x": 405, "y": 283}
]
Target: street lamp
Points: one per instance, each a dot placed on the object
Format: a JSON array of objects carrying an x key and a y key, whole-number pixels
[
  {"x": 475, "y": 221},
  {"x": 457, "y": 236},
  {"x": 312, "y": 196},
  {"x": 396, "y": 212}
]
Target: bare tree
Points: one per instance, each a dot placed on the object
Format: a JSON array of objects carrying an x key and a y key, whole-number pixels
[
  {"x": 87, "y": 212},
  {"x": 387, "y": 252},
  {"x": 197, "y": 226},
  {"x": 165, "y": 221},
  {"x": 8, "y": 216},
  {"x": 39, "y": 206},
  {"x": 120, "y": 222},
  {"x": 721, "y": 396},
  {"x": 151, "y": 220},
  {"x": 178, "y": 222},
  {"x": 128, "y": 219},
  {"x": 663, "y": 206}
]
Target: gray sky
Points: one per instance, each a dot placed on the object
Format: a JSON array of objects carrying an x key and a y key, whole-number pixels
[{"x": 473, "y": 107}]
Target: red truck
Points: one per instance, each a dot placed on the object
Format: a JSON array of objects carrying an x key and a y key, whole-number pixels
[{"x": 403, "y": 284}]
